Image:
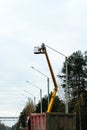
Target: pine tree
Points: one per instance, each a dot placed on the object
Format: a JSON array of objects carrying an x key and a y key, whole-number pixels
[
  {"x": 77, "y": 76},
  {"x": 77, "y": 86}
]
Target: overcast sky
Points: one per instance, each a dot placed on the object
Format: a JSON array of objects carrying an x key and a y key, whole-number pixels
[{"x": 60, "y": 24}]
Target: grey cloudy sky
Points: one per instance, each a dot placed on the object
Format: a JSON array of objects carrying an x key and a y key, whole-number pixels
[{"x": 28, "y": 23}]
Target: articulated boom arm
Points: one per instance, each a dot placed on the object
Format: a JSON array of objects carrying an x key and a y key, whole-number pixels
[{"x": 42, "y": 50}]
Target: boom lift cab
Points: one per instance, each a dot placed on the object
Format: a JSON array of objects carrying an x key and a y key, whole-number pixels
[{"x": 42, "y": 50}]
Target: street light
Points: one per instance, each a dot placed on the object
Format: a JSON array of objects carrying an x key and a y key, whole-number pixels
[
  {"x": 40, "y": 94},
  {"x": 31, "y": 95},
  {"x": 66, "y": 76},
  {"x": 44, "y": 76}
]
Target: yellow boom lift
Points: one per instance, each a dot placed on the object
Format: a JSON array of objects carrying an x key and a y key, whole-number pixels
[{"x": 42, "y": 50}]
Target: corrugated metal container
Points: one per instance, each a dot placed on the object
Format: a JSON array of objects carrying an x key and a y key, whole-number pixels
[{"x": 53, "y": 121}]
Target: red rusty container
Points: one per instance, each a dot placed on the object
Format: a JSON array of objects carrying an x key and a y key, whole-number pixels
[{"x": 52, "y": 121}]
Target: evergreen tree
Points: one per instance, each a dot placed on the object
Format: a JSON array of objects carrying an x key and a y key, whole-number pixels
[
  {"x": 2, "y": 126},
  {"x": 77, "y": 76},
  {"x": 77, "y": 86},
  {"x": 58, "y": 105}
]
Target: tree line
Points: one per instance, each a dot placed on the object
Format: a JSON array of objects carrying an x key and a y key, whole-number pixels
[{"x": 3, "y": 127}]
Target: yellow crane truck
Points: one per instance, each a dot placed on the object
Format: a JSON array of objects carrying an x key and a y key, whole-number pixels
[
  {"x": 50, "y": 120},
  {"x": 42, "y": 50}
]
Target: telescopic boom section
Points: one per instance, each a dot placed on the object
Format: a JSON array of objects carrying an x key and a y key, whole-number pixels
[{"x": 42, "y": 50}]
